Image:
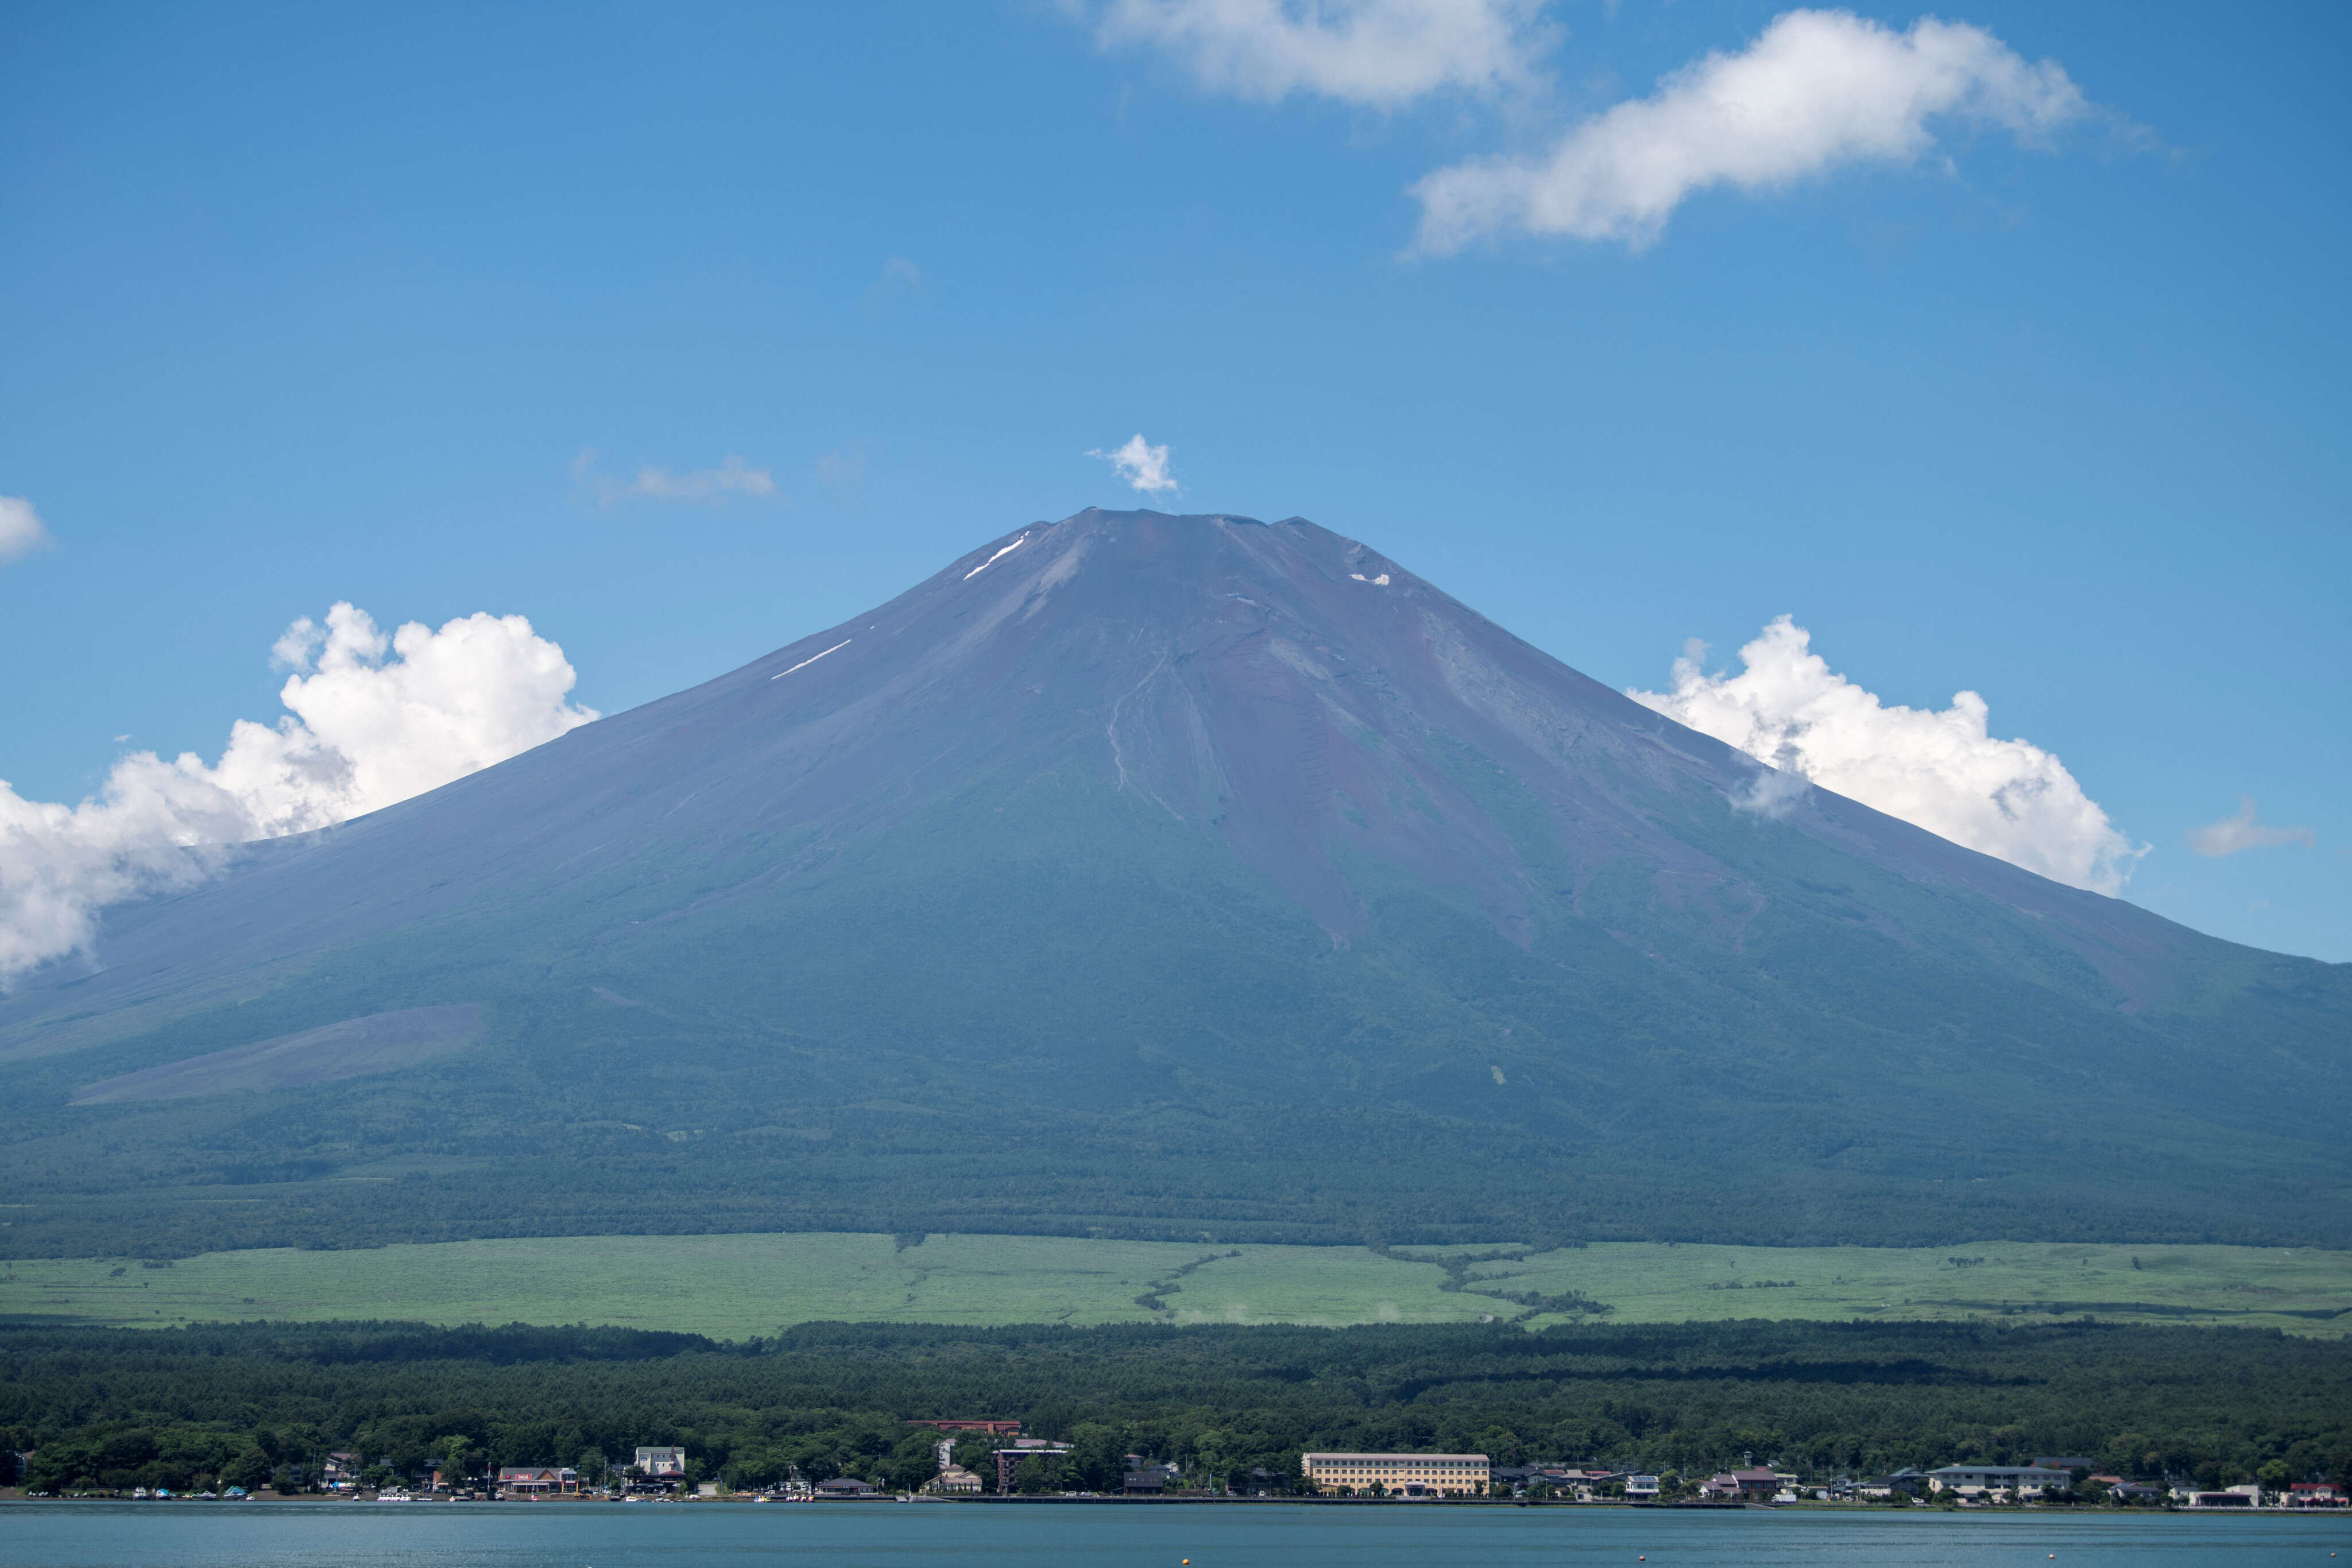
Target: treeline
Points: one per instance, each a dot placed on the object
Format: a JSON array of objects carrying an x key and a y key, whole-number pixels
[
  {"x": 254, "y": 1402},
  {"x": 187, "y": 1177}
]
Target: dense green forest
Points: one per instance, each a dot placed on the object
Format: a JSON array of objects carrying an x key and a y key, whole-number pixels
[{"x": 250, "y": 1402}]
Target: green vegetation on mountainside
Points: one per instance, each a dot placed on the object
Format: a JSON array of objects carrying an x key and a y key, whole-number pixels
[
  {"x": 1059, "y": 1012},
  {"x": 739, "y": 1286}
]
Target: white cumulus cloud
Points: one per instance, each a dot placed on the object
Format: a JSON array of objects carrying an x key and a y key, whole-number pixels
[
  {"x": 1142, "y": 464},
  {"x": 1379, "y": 53},
  {"x": 371, "y": 720},
  {"x": 21, "y": 532},
  {"x": 1817, "y": 91},
  {"x": 1943, "y": 771},
  {"x": 2244, "y": 829}
]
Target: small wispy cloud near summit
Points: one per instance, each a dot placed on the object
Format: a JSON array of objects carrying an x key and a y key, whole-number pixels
[
  {"x": 1816, "y": 92},
  {"x": 1943, "y": 771},
  {"x": 21, "y": 529},
  {"x": 2244, "y": 829},
  {"x": 1142, "y": 465},
  {"x": 1377, "y": 54},
  {"x": 733, "y": 479},
  {"x": 371, "y": 720}
]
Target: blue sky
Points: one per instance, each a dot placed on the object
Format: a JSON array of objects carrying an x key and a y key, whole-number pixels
[{"x": 310, "y": 304}]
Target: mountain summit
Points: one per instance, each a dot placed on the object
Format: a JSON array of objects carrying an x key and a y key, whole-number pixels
[{"x": 1163, "y": 875}]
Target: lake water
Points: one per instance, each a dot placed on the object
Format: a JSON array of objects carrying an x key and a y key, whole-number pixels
[{"x": 929, "y": 1535}]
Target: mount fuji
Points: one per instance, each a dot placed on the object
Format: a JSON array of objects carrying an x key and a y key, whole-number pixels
[{"x": 1155, "y": 875}]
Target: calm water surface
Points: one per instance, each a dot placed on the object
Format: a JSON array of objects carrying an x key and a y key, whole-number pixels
[{"x": 902, "y": 1535}]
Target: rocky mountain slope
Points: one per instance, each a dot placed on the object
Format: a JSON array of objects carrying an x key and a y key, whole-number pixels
[{"x": 1167, "y": 875}]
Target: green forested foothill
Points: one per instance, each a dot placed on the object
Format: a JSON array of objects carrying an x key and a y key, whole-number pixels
[{"x": 107, "y": 1408}]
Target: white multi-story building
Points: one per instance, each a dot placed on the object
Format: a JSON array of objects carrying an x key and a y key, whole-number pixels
[
  {"x": 1398, "y": 1475},
  {"x": 2018, "y": 1481}
]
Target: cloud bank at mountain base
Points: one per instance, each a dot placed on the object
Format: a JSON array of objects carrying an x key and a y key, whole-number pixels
[
  {"x": 372, "y": 719},
  {"x": 1942, "y": 770}
]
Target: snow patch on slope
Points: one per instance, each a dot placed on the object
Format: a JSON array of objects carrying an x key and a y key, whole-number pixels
[
  {"x": 1000, "y": 555},
  {"x": 812, "y": 658}
]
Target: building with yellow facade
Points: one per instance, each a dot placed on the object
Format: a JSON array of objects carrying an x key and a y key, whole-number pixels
[{"x": 1398, "y": 1475}]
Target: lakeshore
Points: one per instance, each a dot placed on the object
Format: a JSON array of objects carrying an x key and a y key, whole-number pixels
[{"x": 1271, "y": 1535}]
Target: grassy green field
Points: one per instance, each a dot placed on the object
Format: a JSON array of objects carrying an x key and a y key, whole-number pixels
[
  {"x": 732, "y": 1286},
  {"x": 2301, "y": 1291}
]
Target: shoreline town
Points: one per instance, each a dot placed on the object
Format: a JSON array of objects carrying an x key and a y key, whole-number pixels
[{"x": 1019, "y": 1468}]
